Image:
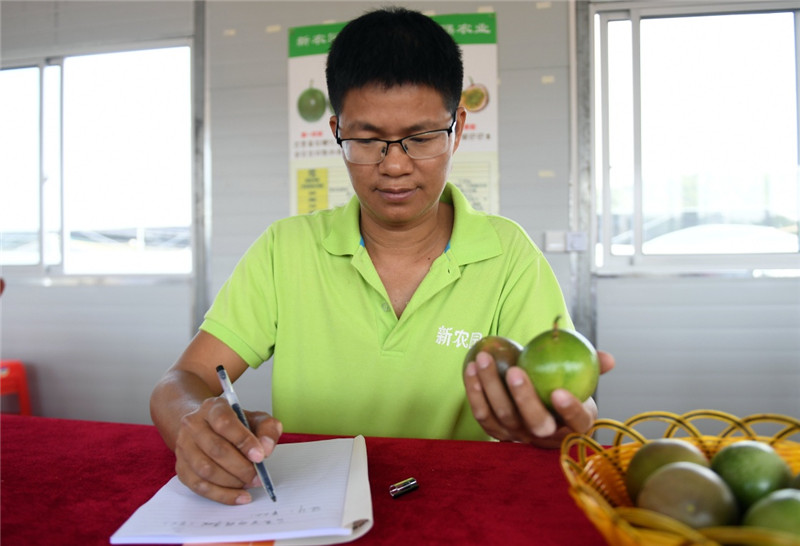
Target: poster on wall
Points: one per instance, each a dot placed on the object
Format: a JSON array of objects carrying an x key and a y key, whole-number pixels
[{"x": 319, "y": 177}]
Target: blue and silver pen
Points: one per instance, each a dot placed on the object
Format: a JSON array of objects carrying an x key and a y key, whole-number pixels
[{"x": 233, "y": 400}]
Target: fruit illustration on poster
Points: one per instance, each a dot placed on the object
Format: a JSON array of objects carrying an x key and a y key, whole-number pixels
[
  {"x": 474, "y": 97},
  {"x": 311, "y": 103}
]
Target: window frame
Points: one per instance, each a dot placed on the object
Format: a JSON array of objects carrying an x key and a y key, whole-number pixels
[
  {"x": 600, "y": 15},
  {"x": 54, "y": 274}
]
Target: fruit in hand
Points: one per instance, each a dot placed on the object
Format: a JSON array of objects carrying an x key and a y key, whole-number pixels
[
  {"x": 780, "y": 510},
  {"x": 311, "y": 103},
  {"x": 689, "y": 493},
  {"x": 504, "y": 351},
  {"x": 655, "y": 454},
  {"x": 752, "y": 470},
  {"x": 560, "y": 359}
]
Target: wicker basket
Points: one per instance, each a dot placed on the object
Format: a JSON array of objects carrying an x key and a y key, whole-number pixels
[{"x": 596, "y": 474}]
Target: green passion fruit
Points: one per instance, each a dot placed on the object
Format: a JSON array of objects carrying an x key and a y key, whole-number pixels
[
  {"x": 311, "y": 103},
  {"x": 752, "y": 470},
  {"x": 690, "y": 493},
  {"x": 504, "y": 351},
  {"x": 655, "y": 454},
  {"x": 560, "y": 359},
  {"x": 778, "y": 511}
]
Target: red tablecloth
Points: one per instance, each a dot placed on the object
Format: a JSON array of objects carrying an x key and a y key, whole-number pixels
[{"x": 71, "y": 482}]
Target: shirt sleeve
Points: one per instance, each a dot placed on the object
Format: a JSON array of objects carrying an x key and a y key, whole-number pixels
[
  {"x": 243, "y": 314},
  {"x": 532, "y": 297}
]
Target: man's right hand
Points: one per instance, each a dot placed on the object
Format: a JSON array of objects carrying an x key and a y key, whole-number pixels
[{"x": 215, "y": 452}]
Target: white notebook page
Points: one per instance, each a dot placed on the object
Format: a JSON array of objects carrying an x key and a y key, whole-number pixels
[{"x": 310, "y": 481}]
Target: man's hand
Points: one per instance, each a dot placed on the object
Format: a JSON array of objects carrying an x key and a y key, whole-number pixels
[
  {"x": 514, "y": 412},
  {"x": 215, "y": 452}
]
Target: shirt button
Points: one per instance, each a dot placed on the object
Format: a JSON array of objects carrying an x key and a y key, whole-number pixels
[{"x": 385, "y": 306}]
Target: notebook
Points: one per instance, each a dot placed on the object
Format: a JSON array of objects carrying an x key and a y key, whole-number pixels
[{"x": 322, "y": 491}]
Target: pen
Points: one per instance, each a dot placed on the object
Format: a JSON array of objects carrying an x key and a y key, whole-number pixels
[{"x": 233, "y": 400}]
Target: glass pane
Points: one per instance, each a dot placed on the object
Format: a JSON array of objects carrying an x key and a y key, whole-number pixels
[
  {"x": 51, "y": 162},
  {"x": 19, "y": 166},
  {"x": 599, "y": 139},
  {"x": 620, "y": 141},
  {"x": 127, "y": 162},
  {"x": 719, "y": 134}
]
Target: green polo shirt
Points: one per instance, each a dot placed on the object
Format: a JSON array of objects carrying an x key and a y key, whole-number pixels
[{"x": 307, "y": 294}]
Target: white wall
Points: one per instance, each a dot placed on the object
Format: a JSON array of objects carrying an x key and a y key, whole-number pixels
[
  {"x": 95, "y": 351},
  {"x": 723, "y": 343}
]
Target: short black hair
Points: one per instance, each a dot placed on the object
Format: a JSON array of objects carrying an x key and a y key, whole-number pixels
[{"x": 394, "y": 46}]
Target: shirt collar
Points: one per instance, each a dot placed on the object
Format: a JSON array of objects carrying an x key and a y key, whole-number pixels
[
  {"x": 473, "y": 238},
  {"x": 344, "y": 235}
]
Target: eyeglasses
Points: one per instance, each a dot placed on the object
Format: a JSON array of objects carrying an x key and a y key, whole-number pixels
[{"x": 371, "y": 151}]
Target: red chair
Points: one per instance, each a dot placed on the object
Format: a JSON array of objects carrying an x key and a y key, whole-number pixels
[{"x": 13, "y": 380}]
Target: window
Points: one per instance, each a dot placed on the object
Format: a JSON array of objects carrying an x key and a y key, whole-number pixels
[
  {"x": 95, "y": 164},
  {"x": 696, "y": 140}
]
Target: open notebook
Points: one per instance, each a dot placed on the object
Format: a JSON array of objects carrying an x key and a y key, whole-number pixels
[{"x": 322, "y": 491}]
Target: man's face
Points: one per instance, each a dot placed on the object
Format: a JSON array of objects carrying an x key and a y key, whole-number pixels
[{"x": 399, "y": 191}]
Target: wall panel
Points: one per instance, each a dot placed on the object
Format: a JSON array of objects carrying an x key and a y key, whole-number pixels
[{"x": 731, "y": 344}]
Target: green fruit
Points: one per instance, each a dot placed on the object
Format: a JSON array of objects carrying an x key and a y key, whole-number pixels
[
  {"x": 795, "y": 482},
  {"x": 560, "y": 359},
  {"x": 311, "y": 103},
  {"x": 752, "y": 470},
  {"x": 655, "y": 454},
  {"x": 689, "y": 493},
  {"x": 504, "y": 351},
  {"x": 780, "y": 511}
]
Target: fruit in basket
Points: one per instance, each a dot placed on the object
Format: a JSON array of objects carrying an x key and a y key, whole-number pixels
[
  {"x": 655, "y": 454},
  {"x": 504, "y": 351},
  {"x": 752, "y": 470},
  {"x": 560, "y": 359},
  {"x": 780, "y": 511},
  {"x": 690, "y": 493}
]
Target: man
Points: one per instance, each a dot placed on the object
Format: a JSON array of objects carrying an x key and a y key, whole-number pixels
[{"x": 368, "y": 309}]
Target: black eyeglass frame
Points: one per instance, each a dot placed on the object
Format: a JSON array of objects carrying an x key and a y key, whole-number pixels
[{"x": 399, "y": 141}]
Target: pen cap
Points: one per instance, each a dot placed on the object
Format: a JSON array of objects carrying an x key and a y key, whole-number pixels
[{"x": 403, "y": 487}]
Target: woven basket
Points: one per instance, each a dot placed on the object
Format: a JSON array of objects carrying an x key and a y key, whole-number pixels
[{"x": 596, "y": 474}]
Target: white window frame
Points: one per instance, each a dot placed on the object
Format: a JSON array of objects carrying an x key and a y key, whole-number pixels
[
  {"x": 601, "y": 13},
  {"x": 53, "y": 274}
]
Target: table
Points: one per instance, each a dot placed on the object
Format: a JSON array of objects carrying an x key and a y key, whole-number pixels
[{"x": 75, "y": 482}]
